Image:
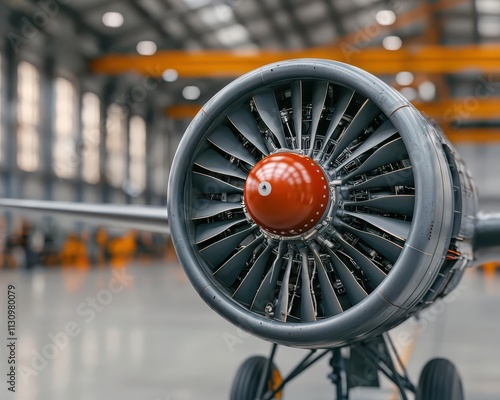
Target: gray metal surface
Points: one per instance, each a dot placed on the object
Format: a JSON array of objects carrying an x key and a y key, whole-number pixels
[
  {"x": 423, "y": 247},
  {"x": 147, "y": 218},
  {"x": 487, "y": 238}
]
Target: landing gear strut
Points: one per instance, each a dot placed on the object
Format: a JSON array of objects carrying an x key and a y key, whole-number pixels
[{"x": 355, "y": 366}]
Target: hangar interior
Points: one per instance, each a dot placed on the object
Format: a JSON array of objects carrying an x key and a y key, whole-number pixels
[{"x": 95, "y": 96}]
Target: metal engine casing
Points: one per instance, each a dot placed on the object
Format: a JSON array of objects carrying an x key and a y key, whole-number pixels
[{"x": 437, "y": 250}]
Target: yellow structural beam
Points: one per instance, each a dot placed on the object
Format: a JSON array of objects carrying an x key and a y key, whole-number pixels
[
  {"x": 472, "y": 108},
  {"x": 182, "y": 111},
  {"x": 219, "y": 63},
  {"x": 473, "y": 135}
]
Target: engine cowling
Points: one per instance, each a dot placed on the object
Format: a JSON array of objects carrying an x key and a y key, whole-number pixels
[{"x": 313, "y": 206}]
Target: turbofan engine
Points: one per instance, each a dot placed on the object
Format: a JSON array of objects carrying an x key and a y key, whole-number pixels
[{"x": 313, "y": 206}]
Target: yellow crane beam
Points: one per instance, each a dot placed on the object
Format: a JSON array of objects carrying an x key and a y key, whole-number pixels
[
  {"x": 229, "y": 64},
  {"x": 473, "y": 135},
  {"x": 472, "y": 108}
]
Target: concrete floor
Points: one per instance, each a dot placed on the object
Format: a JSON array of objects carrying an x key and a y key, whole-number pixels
[{"x": 143, "y": 333}]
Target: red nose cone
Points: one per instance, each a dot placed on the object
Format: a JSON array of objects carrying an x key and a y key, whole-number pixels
[{"x": 286, "y": 193}]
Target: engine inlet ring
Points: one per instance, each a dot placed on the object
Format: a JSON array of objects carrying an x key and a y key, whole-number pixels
[{"x": 358, "y": 274}]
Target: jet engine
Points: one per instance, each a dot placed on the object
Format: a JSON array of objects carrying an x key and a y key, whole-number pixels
[{"x": 313, "y": 206}]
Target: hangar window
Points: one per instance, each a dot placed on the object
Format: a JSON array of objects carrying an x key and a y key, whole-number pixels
[
  {"x": 66, "y": 158},
  {"x": 91, "y": 135},
  {"x": 137, "y": 146},
  {"x": 28, "y": 116},
  {"x": 158, "y": 158},
  {"x": 116, "y": 146},
  {"x": 1, "y": 110}
]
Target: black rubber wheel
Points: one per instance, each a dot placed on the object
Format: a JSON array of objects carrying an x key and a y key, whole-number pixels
[
  {"x": 247, "y": 379},
  {"x": 440, "y": 381}
]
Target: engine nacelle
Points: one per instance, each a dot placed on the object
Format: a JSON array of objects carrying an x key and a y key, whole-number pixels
[{"x": 313, "y": 206}]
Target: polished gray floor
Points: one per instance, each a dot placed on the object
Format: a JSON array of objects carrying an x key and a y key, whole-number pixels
[{"x": 142, "y": 333}]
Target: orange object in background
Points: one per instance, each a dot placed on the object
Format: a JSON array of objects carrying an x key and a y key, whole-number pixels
[
  {"x": 27, "y": 248},
  {"x": 101, "y": 240},
  {"x": 74, "y": 253},
  {"x": 122, "y": 249},
  {"x": 170, "y": 254},
  {"x": 490, "y": 269}
]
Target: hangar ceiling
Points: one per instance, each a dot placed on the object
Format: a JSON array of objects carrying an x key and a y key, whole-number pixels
[
  {"x": 163, "y": 30},
  {"x": 277, "y": 24}
]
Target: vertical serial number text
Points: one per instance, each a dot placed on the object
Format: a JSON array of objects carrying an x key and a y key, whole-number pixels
[{"x": 11, "y": 338}]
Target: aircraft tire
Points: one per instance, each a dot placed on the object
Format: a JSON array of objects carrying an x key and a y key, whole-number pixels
[
  {"x": 246, "y": 381},
  {"x": 440, "y": 380}
]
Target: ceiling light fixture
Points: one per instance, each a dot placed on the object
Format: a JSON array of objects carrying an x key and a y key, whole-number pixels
[
  {"x": 170, "y": 75},
  {"x": 488, "y": 6},
  {"x": 191, "y": 92},
  {"x": 404, "y": 78},
  {"x": 112, "y": 19},
  {"x": 488, "y": 26},
  {"x": 146, "y": 48},
  {"x": 385, "y": 17},
  {"x": 392, "y": 43},
  {"x": 427, "y": 91}
]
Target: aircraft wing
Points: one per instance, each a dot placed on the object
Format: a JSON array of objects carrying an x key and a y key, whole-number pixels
[{"x": 144, "y": 218}]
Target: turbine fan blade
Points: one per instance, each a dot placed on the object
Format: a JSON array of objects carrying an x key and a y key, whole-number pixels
[
  {"x": 320, "y": 91},
  {"x": 353, "y": 289},
  {"x": 400, "y": 177},
  {"x": 268, "y": 109},
  {"x": 361, "y": 120},
  {"x": 224, "y": 139},
  {"x": 375, "y": 274},
  {"x": 388, "y": 153},
  {"x": 392, "y": 226},
  {"x": 144, "y": 218},
  {"x": 399, "y": 204},
  {"x": 213, "y": 161},
  {"x": 330, "y": 301},
  {"x": 387, "y": 248},
  {"x": 230, "y": 270},
  {"x": 297, "y": 111},
  {"x": 281, "y": 313},
  {"x": 307, "y": 313},
  {"x": 243, "y": 120},
  {"x": 345, "y": 98},
  {"x": 384, "y": 132},
  {"x": 217, "y": 252},
  {"x": 208, "y": 184},
  {"x": 204, "y": 208},
  {"x": 246, "y": 291},
  {"x": 210, "y": 230},
  {"x": 270, "y": 281}
]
